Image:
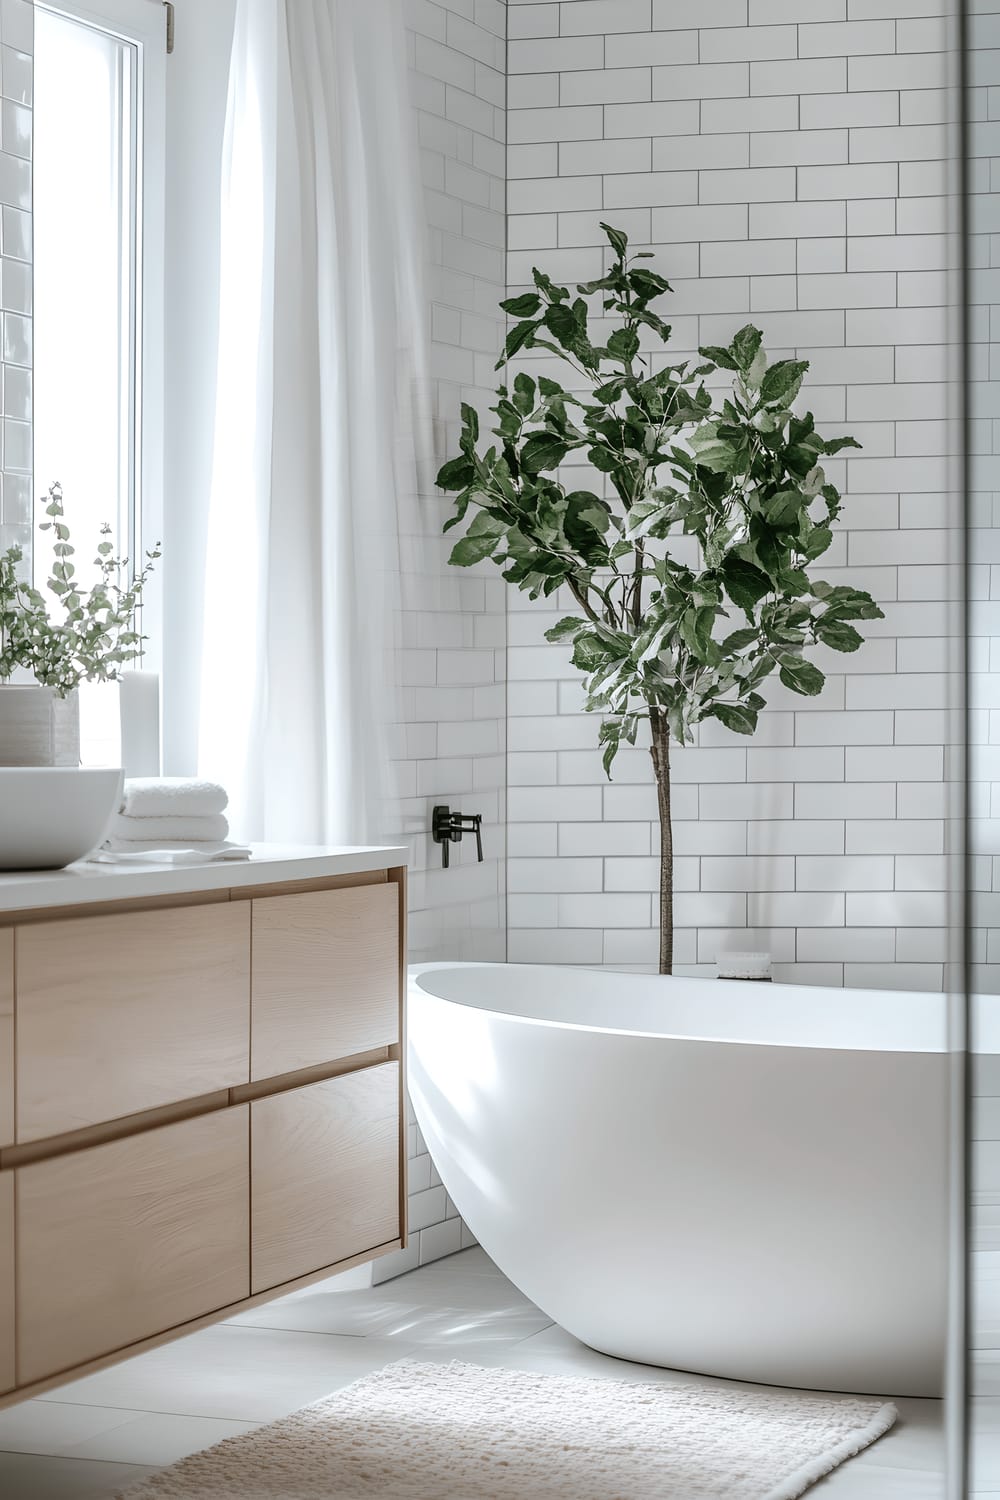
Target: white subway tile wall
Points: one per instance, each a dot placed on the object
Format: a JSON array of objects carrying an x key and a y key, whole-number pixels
[
  {"x": 788, "y": 164},
  {"x": 452, "y": 741},
  {"x": 16, "y": 42}
]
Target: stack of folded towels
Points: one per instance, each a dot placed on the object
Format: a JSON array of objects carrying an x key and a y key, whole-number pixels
[{"x": 170, "y": 813}]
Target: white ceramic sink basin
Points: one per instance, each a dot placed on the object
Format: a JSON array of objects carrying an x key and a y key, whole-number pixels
[{"x": 52, "y": 815}]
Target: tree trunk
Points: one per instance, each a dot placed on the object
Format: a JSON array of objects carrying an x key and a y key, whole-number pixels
[{"x": 660, "y": 751}]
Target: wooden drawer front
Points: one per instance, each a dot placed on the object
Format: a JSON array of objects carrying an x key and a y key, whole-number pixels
[
  {"x": 122, "y": 1241},
  {"x": 324, "y": 1182},
  {"x": 326, "y": 975},
  {"x": 119, "y": 1014},
  {"x": 6, "y": 1281},
  {"x": 6, "y": 1036}
]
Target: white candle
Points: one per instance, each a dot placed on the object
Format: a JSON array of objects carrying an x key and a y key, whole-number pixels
[{"x": 139, "y": 700}]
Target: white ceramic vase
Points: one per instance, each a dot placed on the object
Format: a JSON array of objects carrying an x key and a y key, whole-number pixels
[{"x": 37, "y": 727}]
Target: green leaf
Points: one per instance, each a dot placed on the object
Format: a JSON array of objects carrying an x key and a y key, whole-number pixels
[
  {"x": 835, "y": 444},
  {"x": 813, "y": 482},
  {"x": 602, "y": 284},
  {"x": 739, "y": 717},
  {"x": 524, "y": 306},
  {"x": 654, "y": 321},
  {"x": 785, "y": 508},
  {"x": 847, "y": 603},
  {"x": 624, "y": 345},
  {"x": 745, "y": 584},
  {"x": 609, "y": 735},
  {"x": 542, "y": 450},
  {"x": 801, "y": 676},
  {"x": 696, "y": 633},
  {"x": 611, "y": 390},
  {"x": 738, "y": 641},
  {"x": 589, "y": 652},
  {"x": 509, "y": 420},
  {"x": 521, "y": 336},
  {"x": 745, "y": 346},
  {"x": 617, "y": 238},
  {"x": 561, "y": 321},
  {"x": 603, "y": 459},
  {"x": 719, "y": 356},
  {"x": 470, "y": 423},
  {"x": 838, "y": 634},
  {"x": 547, "y": 286},
  {"x": 584, "y": 506},
  {"x": 524, "y": 393},
  {"x": 479, "y": 542},
  {"x": 755, "y": 371},
  {"x": 782, "y": 381},
  {"x": 720, "y": 457},
  {"x": 454, "y": 475},
  {"x": 565, "y": 628},
  {"x": 817, "y": 542},
  {"x": 472, "y": 549},
  {"x": 647, "y": 284}
]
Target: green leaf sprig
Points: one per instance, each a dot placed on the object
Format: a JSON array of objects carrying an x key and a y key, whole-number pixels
[{"x": 90, "y": 633}]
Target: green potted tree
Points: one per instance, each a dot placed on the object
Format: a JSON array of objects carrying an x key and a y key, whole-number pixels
[
  {"x": 78, "y": 635},
  {"x": 726, "y": 462}
]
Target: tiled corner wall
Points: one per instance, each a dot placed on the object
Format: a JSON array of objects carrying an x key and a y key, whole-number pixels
[
  {"x": 788, "y": 165},
  {"x": 455, "y": 625},
  {"x": 453, "y": 661},
  {"x": 16, "y": 38}
]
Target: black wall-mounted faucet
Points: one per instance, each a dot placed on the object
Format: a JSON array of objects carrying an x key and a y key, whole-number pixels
[{"x": 447, "y": 828}]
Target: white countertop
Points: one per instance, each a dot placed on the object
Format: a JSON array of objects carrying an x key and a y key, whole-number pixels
[{"x": 83, "y": 883}]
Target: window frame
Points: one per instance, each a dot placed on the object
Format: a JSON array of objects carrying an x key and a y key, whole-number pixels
[{"x": 143, "y": 24}]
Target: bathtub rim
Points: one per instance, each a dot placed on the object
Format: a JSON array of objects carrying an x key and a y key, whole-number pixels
[{"x": 937, "y": 1008}]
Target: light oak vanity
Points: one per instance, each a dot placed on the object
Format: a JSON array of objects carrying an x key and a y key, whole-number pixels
[{"x": 200, "y": 1095}]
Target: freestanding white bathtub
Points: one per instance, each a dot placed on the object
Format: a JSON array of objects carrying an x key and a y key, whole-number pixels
[{"x": 744, "y": 1180}]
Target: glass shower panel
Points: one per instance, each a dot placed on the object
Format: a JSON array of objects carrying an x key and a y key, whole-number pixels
[{"x": 982, "y": 362}]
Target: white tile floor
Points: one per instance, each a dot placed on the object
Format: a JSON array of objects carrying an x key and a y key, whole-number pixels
[{"x": 89, "y": 1439}]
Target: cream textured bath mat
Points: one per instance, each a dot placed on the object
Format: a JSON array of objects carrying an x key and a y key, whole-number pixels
[{"x": 419, "y": 1431}]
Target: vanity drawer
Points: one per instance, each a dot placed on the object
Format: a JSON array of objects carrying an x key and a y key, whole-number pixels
[
  {"x": 324, "y": 1180},
  {"x": 124, "y": 1240},
  {"x": 6, "y": 1036},
  {"x": 326, "y": 976},
  {"x": 6, "y": 1281},
  {"x": 123, "y": 1013}
]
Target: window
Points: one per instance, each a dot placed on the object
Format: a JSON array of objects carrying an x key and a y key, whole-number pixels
[{"x": 98, "y": 275}]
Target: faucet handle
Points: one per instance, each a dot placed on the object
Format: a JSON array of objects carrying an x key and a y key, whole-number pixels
[{"x": 447, "y": 827}]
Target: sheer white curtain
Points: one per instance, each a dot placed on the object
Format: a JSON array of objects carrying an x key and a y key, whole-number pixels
[{"x": 320, "y": 342}]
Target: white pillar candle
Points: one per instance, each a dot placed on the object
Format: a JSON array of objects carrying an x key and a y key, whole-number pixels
[{"x": 140, "y": 715}]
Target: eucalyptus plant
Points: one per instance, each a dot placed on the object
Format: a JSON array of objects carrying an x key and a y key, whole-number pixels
[
  {"x": 670, "y": 630},
  {"x": 93, "y": 634}
]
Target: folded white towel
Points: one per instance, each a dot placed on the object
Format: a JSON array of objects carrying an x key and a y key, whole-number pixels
[
  {"x": 166, "y": 851},
  {"x": 172, "y": 796},
  {"x": 202, "y": 830}
]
